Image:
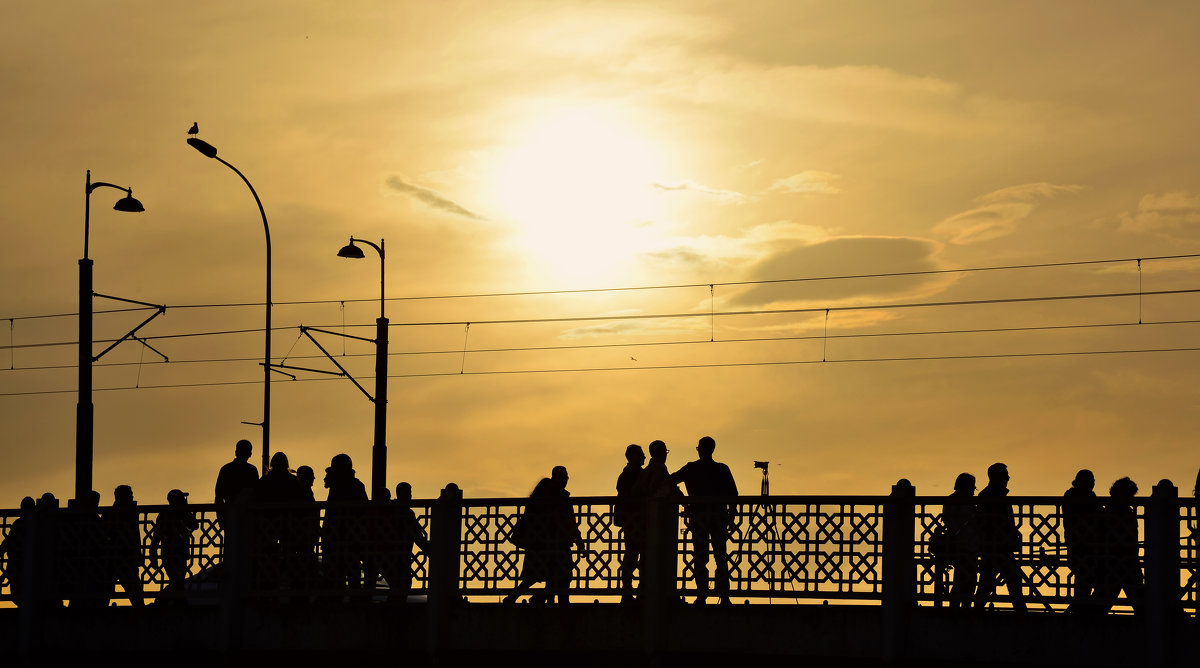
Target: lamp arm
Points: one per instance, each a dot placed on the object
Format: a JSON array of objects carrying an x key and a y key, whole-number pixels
[
  {"x": 369, "y": 243},
  {"x": 93, "y": 186}
]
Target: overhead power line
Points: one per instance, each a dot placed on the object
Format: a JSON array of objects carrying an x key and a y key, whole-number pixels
[
  {"x": 859, "y": 360},
  {"x": 647, "y": 344},
  {"x": 668, "y": 316},
  {"x": 676, "y": 286}
]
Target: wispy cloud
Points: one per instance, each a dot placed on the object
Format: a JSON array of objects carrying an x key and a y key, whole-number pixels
[
  {"x": 1001, "y": 211},
  {"x": 808, "y": 181},
  {"x": 430, "y": 197},
  {"x": 841, "y": 256},
  {"x": 1029, "y": 192},
  {"x": 1169, "y": 213},
  {"x": 729, "y": 196}
]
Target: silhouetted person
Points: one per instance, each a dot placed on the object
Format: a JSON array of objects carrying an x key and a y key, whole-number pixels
[
  {"x": 550, "y": 524},
  {"x": 278, "y": 528},
  {"x": 1120, "y": 567},
  {"x": 655, "y": 480},
  {"x": 125, "y": 544},
  {"x": 961, "y": 545},
  {"x": 1082, "y": 534},
  {"x": 630, "y": 516},
  {"x": 310, "y": 525},
  {"x": 404, "y": 531},
  {"x": 999, "y": 541},
  {"x": 172, "y": 539},
  {"x": 346, "y": 522},
  {"x": 84, "y": 549},
  {"x": 13, "y": 548},
  {"x": 711, "y": 511},
  {"x": 235, "y": 478},
  {"x": 49, "y": 557}
]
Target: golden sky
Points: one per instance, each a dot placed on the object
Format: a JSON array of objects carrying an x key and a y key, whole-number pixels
[{"x": 529, "y": 146}]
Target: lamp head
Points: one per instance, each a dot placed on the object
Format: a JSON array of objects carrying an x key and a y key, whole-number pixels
[
  {"x": 351, "y": 251},
  {"x": 204, "y": 147},
  {"x": 128, "y": 204}
]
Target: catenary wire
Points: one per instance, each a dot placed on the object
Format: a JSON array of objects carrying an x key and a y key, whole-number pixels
[
  {"x": 665, "y": 316},
  {"x": 894, "y": 274},
  {"x": 649, "y": 344},
  {"x": 860, "y": 360}
]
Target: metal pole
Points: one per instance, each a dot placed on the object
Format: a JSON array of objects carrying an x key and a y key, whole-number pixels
[
  {"x": 84, "y": 411},
  {"x": 379, "y": 449},
  {"x": 266, "y": 421}
]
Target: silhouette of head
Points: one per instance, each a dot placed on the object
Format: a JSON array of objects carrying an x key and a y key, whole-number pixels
[
  {"x": 279, "y": 461},
  {"x": 998, "y": 474},
  {"x": 123, "y": 494},
  {"x": 306, "y": 475},
  {"x": 242, "y": 449},
  {"x": 341, "y": 462},
  {"x": 403, "y": 492},
  {"x": 47, "y": 500},
  {"x": 558, "y": 475},
  {"x": 965, "y": 483},
  {"x": 706, "y": 446},
  {"x": 176, "y": 497},
  {"x": 634, "y": 454},
  {"x": 91, "y": 499},
  {"x": 1084, "y": 480},
  {"x": 1123, "y": 489},
  {"x": 28, "y": 503},
  {"x": 658, "y": 451}
]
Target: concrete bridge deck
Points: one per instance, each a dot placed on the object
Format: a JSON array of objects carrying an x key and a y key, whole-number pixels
[{"x": 492, "y": 634}]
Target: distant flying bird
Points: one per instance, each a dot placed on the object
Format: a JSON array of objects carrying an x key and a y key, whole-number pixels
[
  {"x": 195, "y": 129},
  {"x": 633, "y": 358}
]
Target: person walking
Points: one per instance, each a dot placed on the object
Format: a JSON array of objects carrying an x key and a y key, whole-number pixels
[
  {"x": 550, "y": 530},
  {"x": 999, "y": 541}
]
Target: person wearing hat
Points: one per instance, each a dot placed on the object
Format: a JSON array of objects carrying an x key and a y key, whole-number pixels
[
  {"x": 172, "y": 537},
  {"x": 125, "y": 544}
]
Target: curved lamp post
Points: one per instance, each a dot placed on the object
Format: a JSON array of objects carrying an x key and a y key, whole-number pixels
[
  {"x": 379, "y": 449},
  {"x": 84, "y": 411},
  {"x": 210, "y": 151}
]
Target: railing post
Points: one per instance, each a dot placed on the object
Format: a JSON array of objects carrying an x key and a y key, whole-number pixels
[
  {"x": 445, "y": 541},
  {"x": 36, "y": 557},
  {"x": 1162, "y": 572},
  {"x": 236, "y": 558},
  {"x": 899, "y": 567},
  {"x": 658, "y": 571}
]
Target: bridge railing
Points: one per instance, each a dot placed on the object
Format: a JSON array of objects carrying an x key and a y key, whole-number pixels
[{"x": 780, "y": 549}]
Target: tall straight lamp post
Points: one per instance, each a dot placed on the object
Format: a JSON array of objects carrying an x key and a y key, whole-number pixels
[
  {"x": 84, "y": 411},
  {"x": 379, "y": 449},
  {"x": 210, "y": 151}
]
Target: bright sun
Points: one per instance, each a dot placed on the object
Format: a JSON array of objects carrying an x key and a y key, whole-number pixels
[{"x": 577, "y": 186}]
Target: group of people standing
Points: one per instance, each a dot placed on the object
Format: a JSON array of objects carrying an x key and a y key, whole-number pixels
[
  {"x": 271, "y": 521},
  {"x": 547, "y": 530},
  {"x": 980, "y": 542},
  {"x": 360, "y": 541}
]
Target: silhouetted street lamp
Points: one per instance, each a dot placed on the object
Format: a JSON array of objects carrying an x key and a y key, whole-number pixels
[
  {"x": 210, "y": 151},
  {"x": 379, "y": 449},
  {"x": 84, "y": 411}
]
